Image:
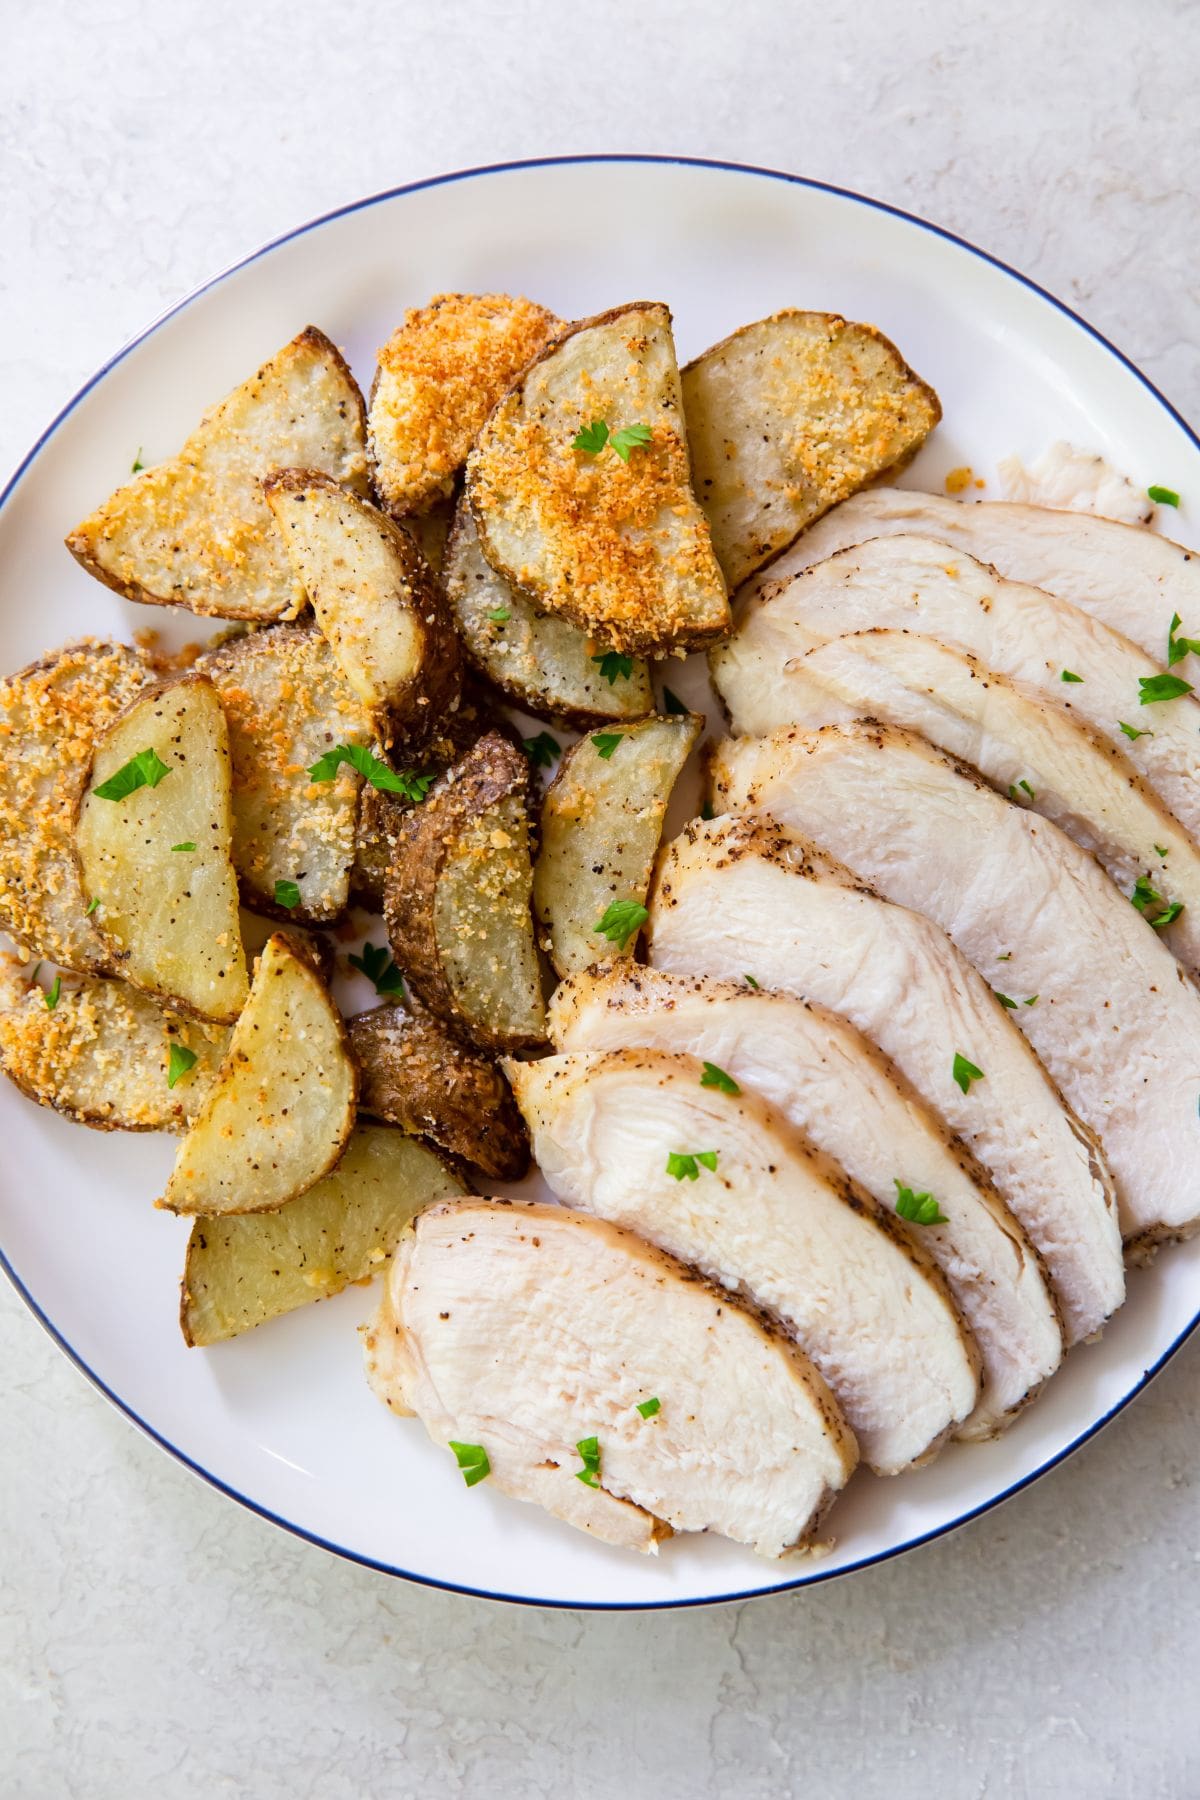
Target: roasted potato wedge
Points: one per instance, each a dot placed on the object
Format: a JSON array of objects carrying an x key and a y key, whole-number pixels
[
  {"x": 287, "y": 703},
  {"x": 283, "y": 1105},
  {"x": 195, "y": 531},
  {"x": 416, "y": 1073},
  {"x": 101, "y": 1054},
  {"x": 609, "y": 537},
  {"x": 242, "y": 1271},
  {"x": 429, "y": 532},
  {"x": 439, "y": 376},
  {"x": 51, "y": 715},
  {"x": 542, "y": 663},
  {"x": 153, "y": 836},
  {"x": 602, "y": 818},
  {"x": 377, "y": 603},
  {"x": 457, "y": 900},
  {"x": 787, "y": 417}
]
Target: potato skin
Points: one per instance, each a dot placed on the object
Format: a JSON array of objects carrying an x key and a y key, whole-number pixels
[
  {"x": 492, "y": 772},
  {"x": 417, "y": 1073}
]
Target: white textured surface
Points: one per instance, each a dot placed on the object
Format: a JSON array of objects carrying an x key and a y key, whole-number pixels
[{"x": 155, "y": 1639}]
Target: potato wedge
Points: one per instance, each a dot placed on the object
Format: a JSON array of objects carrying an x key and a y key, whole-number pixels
[
  {"x": 153, "y": 837},
  {"x": 286, "y": 703},
  {"x": 282, "y": 1109},
  {"x": 610, "y": 538},
  {"x": 787, "y": 417},
  {"x": 457, "y": 900},
  {"x": 429, "y": 532},
  {"x": 602, "y": 819},
  {"x": 51, "y": 715},
  {"x": 102, "y": 1054},
  {"x": 241, "y": 1271},
  {"x": 195, "y": 531},
  {"x": 377, "y": 603},
  {"x": 439, "y": 376},
  {"x": 417, "y": 1073},
  {"x": 542, "y": 663}
]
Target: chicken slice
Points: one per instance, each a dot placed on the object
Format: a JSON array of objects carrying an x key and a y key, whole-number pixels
[
  {"x": 745, "y": 900},
  {"x": 1040, "y": 756},
  {"x": 523, "y": 1328},
  {"x": 828, "y": 1080},
  {"x": 721, "y": 1181},
  {"x": 1100, "y": 998},
  {"x": 1131, "y": 579},
  {"x": 915, "y": 584}
]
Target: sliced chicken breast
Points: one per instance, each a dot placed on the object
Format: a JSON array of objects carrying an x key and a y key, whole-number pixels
[
  {"x": 722, "y": 1182},
  {"x": 521, "y": 1330},
  {"x": 823, "y": 1076},
  {"x": 916, "y": 584},
  {"x": 745, "y": 900},
  {"x": 1039, "y": 755},
  {"x": 1099, "y": 996},
  {"x": 1131, "y": 579}
]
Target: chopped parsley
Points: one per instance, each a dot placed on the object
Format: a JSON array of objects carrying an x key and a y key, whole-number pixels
[
  {"x": 621, "y": 919},
  {"x": 146, "y": 769},
  {"x": 409, "y": 786},
  {"x": 543, "y": 749},
  {"x": 1147, "y": 900},
  {"x": 1131, "y": 731},
  {"x": 500, "y": 615},
  {"x": 589, "y": 1451},
  {"x": 179, "y": 1060},
  {"x": 1152, "y": 688},
  {"x": 750, "y": 981},
  {"x": 287, "y": 894},
  {"x": 92, "y": 905},
  {"x": 55, "y": 990},
  {"x": 472, "y": 1459},
  {"x": 964, "y": 1072},
  {"x": 1070, "y": 675},
  {"x": 137, "y": 465},
  {"x": 686, "y": 1165},
  {"x": 1032, "y": 1000},
  {"x": 1007, "y": 957},
  {"x": 606, "y": 742},
  {"x": 1162, "y": 496},
  {"x": 592, "y": 438},
  {"x": 630, "y": 438},
  {"x": 614, "y": 666},
  {"x": 1178, "y": 647},
  {"x": 1159, "y": 850},
  {"x": 919, "y": 1209},
  {"x": 376, "y": 964},
  {"x": 648, "y": 1408},
  {"x": 672, "y": 702},
  {"x": 189, "y": 845},
  {"x": 1012, "y": 791},
  {"x": 717, "y": 1078},
  {"x": 1004, "y": 1000}
]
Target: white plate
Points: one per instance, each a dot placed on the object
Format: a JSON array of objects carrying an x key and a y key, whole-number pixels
[{"x": 282, "y": 1420}]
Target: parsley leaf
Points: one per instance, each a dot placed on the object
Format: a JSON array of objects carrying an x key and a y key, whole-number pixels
[
  {"x": 55, "y": 990},
  {"x": 543, "y": 749},
  {"x": 179, "y": 1060},
  {"x": 648, "y": 1408},
  {"x": 1032, "y": 1000},
  {"x": 287, "y": 894},
  {"x": 717, "y": 1078},
  {"x": 1161, "y": 687},
  {"x": 1162, "y": 496},
  {"x": 1169, "y": 916},
  {"x": 919, "y": 1209},
  {"x": 93, "y": 905},
  {"x": 1070, "y": 675},
  {"x": 408, "y": 786},
  {"x": 137, "y": 465},
  {"x": 621, "y": 919},
  {"x": 1004, "y": 1000},
  {"x": 964, "y": 1072},
  {"x": 606, "y": 742},
  {"x": 632, "y": 437},
  {"x": 672, "y": 702},
  {"x": 1178, "y": 647},
  {"x": 750, "y": 981},
  {"x": 686, "y": 1166},
  {"x": 1024, "y": 784},
  {"x": 500, "y": 615},
  {"x": 189, "y": 845},
  {"x": 1146, "y": 899},
  {"x": 1159, "y": 850},
  {"x": 146, "y": 769},
  {"x": 614, "y": 666},
  {"x": 592, "y": 438},
  {"x": 589, "y": 1451},
  {"x": 1131, "y": 731},
  {"x": 472, "y": 1459},
  {"x": 1007, "y": 957},
  {"x": 376, "y": 964}
]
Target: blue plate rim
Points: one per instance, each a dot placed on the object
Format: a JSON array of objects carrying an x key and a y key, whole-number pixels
[{"x": 180, "y": 1456}]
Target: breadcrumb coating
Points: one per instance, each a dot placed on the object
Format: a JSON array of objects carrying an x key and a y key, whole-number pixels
[{"x": 440, "y": 374}]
